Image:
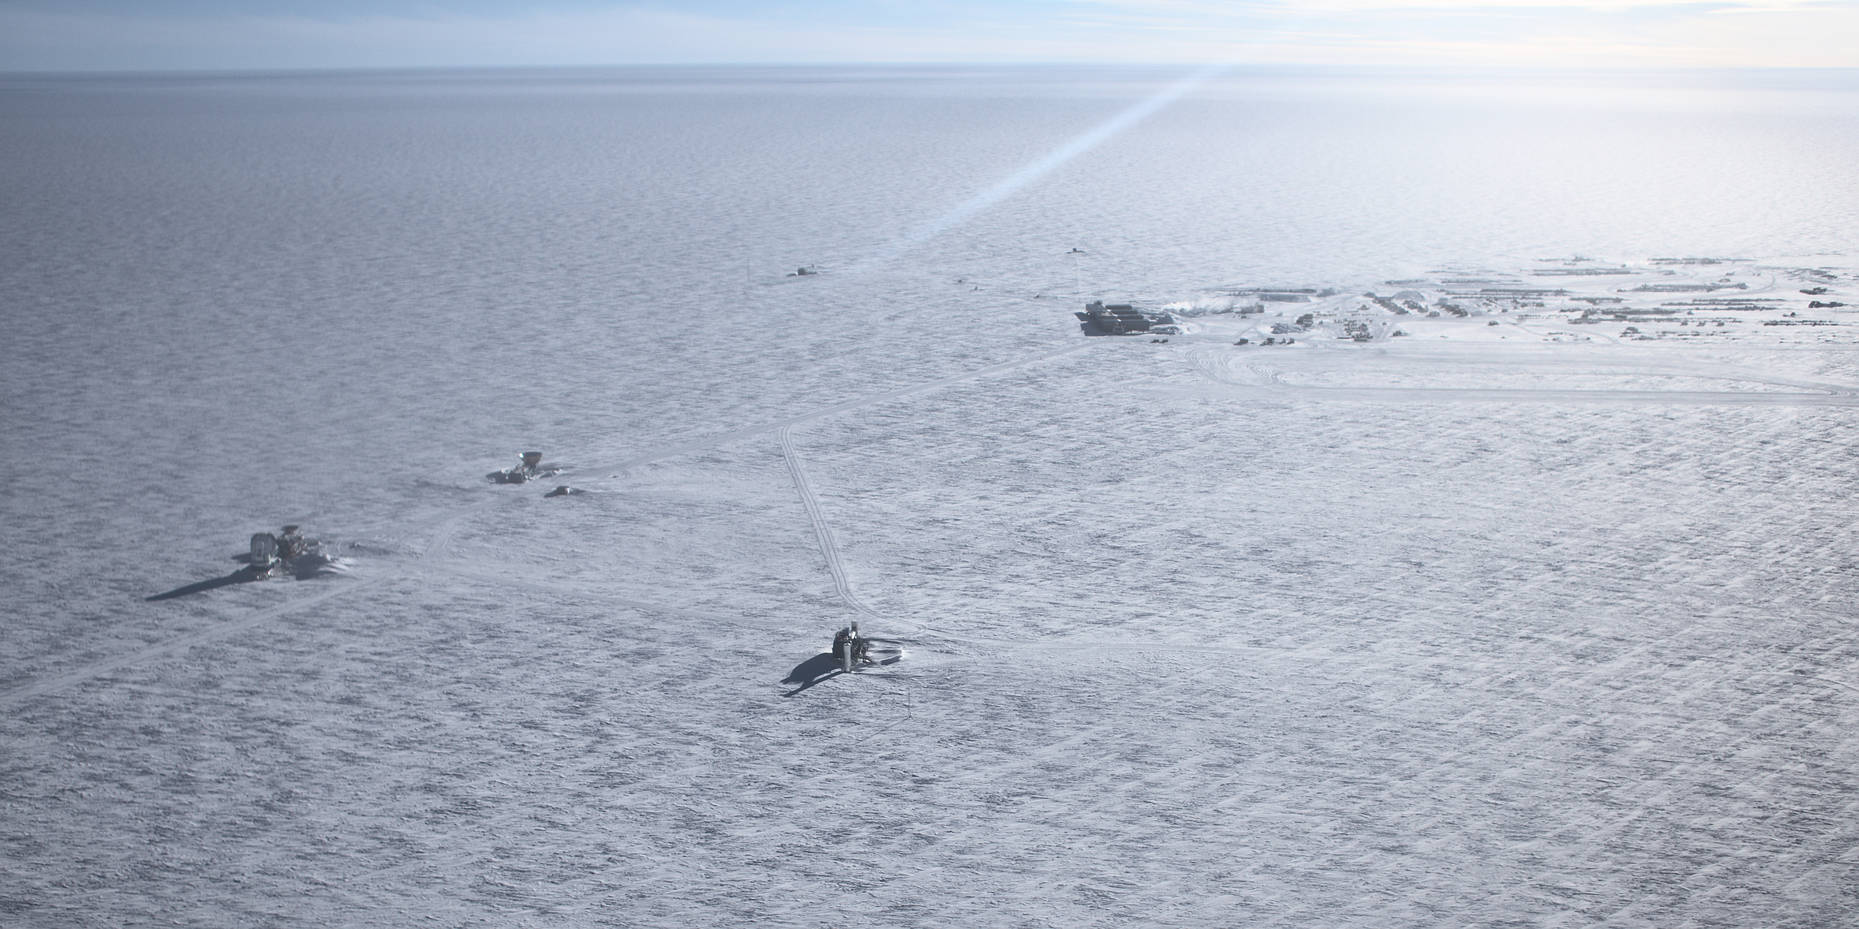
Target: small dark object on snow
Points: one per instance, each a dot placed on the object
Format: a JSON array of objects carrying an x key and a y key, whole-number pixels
[
  {"x": 850, "y": 648},
  {"x": 287, "y": 552},
  {"x": 530, "y": 469},
  {"x": 291, "y": 542}
]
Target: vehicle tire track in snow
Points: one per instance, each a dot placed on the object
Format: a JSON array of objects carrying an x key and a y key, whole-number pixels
[
  {"x": 577, "y": 591},
  {"x": 439, "y": 544},
  {"x": 1264, "y": 381},
  {"x": 824, "y": 802},
  {"x": 1602, "y": 363},
  {"x": 821, "y": 530},
  {"x": 1545, "y": 395},
  {"x": 96, "y": 669},
  {"x": 700, "y": 443},
  {"x": 435, "y": 546},
  {"x": 1651, "y": 651}
]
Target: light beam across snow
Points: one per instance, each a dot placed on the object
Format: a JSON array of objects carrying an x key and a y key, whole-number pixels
[{"x": 1053, "y": 160}]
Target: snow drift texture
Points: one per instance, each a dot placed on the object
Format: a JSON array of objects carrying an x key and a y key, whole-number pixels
[{"x": 1403, "y": 634}]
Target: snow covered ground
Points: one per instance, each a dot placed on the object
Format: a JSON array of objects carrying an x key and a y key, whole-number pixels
[
  {"x": 1423, "y": 631},
  {"x": 1539, "y": 613}
]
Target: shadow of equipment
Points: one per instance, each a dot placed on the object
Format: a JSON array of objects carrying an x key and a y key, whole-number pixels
[
  {"x": 811, "y": 672},
  {"x": 241, "y": 576}
]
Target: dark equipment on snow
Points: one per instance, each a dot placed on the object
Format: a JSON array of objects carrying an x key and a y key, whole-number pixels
[
  {"x": 851, "y": 649},
  {"x": 288, "y": 552},
  {"x": 530, "y": 469},
  {"x": 264, "y": 550}
]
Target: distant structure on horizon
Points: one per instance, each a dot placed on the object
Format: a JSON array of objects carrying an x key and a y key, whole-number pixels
[{"x": 1121, "y": 319}]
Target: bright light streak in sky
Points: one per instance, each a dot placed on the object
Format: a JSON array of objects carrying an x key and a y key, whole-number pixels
[{"x": 1084, "y": 142}]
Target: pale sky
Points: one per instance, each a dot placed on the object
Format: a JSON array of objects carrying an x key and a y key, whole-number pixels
[{"x": 133, "y": 35}]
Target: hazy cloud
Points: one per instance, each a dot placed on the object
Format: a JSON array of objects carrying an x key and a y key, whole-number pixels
[{"x": 219, "y": 34}]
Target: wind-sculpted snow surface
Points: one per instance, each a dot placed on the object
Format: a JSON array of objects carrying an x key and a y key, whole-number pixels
[
  {"x": 1507, "y": 620},
  {"x": 1185, "y": 656}
]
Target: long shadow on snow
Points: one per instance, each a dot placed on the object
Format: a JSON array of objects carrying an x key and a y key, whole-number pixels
[
  {"x": 811, "y": 672},
  {"x": 243, "y": 575},
  {"x": 304, "y": 571},
  {"x": 823, "y": 666}
]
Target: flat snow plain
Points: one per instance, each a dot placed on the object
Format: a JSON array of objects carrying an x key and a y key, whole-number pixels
[{"x": 1517, "y": 618}]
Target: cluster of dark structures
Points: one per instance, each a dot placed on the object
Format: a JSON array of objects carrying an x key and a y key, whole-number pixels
[{"x": 1100, "y": 318}]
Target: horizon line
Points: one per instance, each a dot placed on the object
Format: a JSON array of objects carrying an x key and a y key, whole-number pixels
[{"x": 1176, "y": 65}]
